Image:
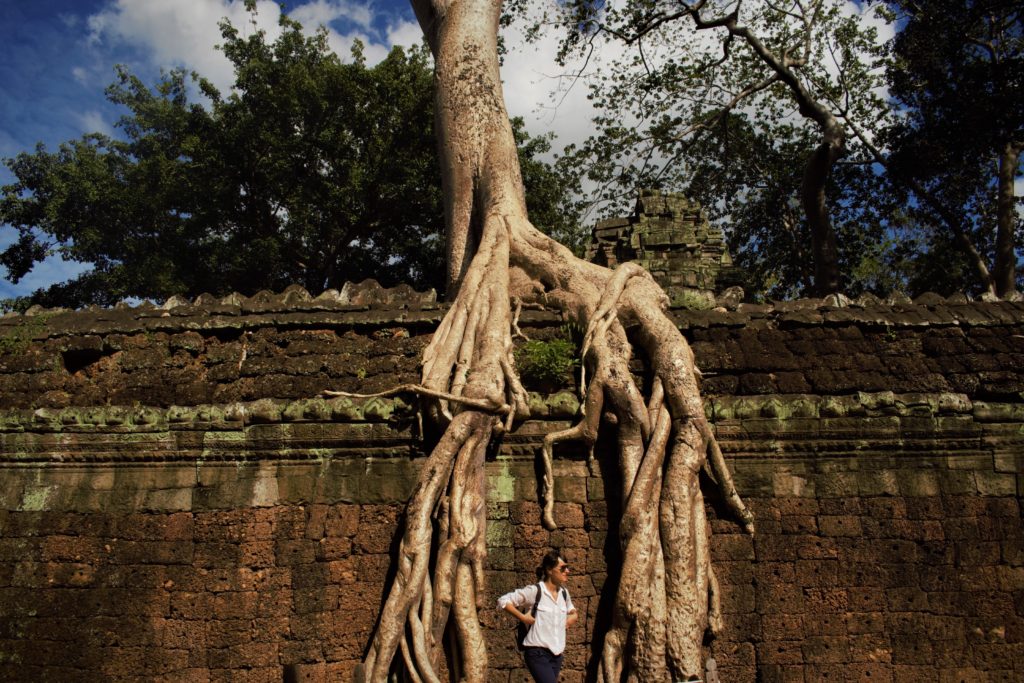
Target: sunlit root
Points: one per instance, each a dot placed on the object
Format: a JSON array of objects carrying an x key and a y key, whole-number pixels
[
  {"x": 585, "y": 431},
  {"x": 422, "y": 662},
  {"x": 667, "y": 597},
  {"x": 414, "y": 550},
  {"x": 517, "y": 333},
  {"x": 724, "y": 479},
  {"x": 413, "y": 600},
  {"x": 409, "y": 665}
]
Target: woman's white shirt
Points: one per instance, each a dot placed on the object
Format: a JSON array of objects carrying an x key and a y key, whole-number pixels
[{"x": 549, "y": 629}]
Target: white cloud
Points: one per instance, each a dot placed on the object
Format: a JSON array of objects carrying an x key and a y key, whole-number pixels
[
  {"x": 80, "y": 74},
  {"x": 91, "y": 121},
  {"x": 341, "y": 45},
  {"x": 405, "y": 33},
  {"x": 69, "y": 20},
  {"x": 185, "y": 32},
  {"x": 549, "y": 97},
  {"x": 333, "y": 13},
  {"x": 324, "y": 12},
  {"x": 181, "y": 32}
]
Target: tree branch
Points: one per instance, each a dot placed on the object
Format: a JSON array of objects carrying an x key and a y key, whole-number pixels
[
  {"x": 947, "y": 216},
  {"x": 728, "y": 107}
]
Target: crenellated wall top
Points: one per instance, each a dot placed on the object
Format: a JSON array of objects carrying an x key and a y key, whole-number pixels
[{"x": 292, "y": 346}]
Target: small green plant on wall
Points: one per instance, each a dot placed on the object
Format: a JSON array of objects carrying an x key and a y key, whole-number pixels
[
  {"x": 17, "y": 338},
  {"x": 547, "y": 365},
  {"x": 693, "y": 300}
]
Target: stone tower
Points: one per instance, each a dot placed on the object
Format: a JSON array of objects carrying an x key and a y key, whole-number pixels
[{"x": 671, "y": 237}]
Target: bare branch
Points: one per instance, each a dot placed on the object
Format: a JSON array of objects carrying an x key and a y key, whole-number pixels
[{"x": 728, "y": 107}]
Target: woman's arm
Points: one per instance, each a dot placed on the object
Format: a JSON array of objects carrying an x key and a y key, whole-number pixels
[
  {"x": 514, "y": 611},
  {"x": 519, "y": 598},
  {"x": 574, "y": 616}
]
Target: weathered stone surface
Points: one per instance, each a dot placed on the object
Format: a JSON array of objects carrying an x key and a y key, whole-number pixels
[{"x": 179, "y": 502}]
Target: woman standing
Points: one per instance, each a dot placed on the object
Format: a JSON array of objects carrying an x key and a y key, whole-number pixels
[{"x": 546, "y": 608}]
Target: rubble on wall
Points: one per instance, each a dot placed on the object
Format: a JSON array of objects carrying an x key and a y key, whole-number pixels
[{"x": 293, "y": 346}]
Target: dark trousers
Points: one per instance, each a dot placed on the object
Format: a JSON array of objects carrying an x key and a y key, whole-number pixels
[{"x": 543, "y": 665}]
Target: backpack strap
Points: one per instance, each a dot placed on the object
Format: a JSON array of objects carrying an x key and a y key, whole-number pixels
[{"x": 533, "y": 610}]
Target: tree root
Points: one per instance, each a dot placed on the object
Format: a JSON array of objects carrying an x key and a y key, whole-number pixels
[
  {"x": 469, "y": 370},
  {"x": 667, "y": 597}
]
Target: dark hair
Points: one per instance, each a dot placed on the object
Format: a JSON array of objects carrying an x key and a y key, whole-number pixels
[{"x": 549, "y": 561}]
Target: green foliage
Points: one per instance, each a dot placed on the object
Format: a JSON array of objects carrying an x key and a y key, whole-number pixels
[
  {"x": 547, "y": 364},
  {"x": 958, "y": 66},
  {"x": 697, "y": 112},
  {"x": 957, "y": 71},
  {"x": 693, "y": 300},
  {"x": 309, "y": 171}
]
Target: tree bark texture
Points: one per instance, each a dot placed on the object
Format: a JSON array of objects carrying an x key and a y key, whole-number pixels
[
  {"x": 823, "y": 236},
  {"x": 1004, "y": 270},
  {"x": 665, "y": 600}
]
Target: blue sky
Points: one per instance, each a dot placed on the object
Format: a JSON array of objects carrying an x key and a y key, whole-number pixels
[{"x": 59, "y": 55}]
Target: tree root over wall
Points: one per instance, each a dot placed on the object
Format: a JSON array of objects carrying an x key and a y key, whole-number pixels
[{"x": 667, "y": 595}]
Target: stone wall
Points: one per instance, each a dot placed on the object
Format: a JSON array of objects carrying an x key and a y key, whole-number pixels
[{"x": 179, "y": 505}]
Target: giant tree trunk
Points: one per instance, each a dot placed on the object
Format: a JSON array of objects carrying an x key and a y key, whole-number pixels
[
  {"x": 666, "y": 598},
  {"x": 1004, "y": 270},
  {"x": 823, "y": 235}
]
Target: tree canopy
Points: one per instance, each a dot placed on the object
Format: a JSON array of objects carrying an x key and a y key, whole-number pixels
[
  {"x": 808, "y": 136},
  {"x": 310, "y": 170},
  {"x": 957, "y": 71},
  {"x": 745, "y": 107}
]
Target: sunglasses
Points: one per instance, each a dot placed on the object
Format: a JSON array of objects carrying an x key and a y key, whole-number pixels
[{"x": 563, "y": 569}]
